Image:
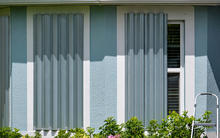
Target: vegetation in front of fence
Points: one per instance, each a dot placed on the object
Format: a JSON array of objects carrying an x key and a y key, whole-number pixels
[
  {"x": 173, "y": 126},
  {"x": 7, "y": 132},
  {"x": 177, "y": 126}
]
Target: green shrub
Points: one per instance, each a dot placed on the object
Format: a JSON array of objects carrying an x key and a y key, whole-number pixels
[
  {"x": 134, "y": 128},
  {"x": 7, "y": 132},
  {"x": 90, "y": 131},
  {"x": 78, "y": 132},
  {"x": 110, "y": 127},
  {"x": 63, "y": 134},
  {"x": 176, "y": 126},
  {"x": 26, "y": 136},
  {"x": 72, "y": 133},
  {"x": 37, "y": 135},
  {"x": 98, "y": 136}
]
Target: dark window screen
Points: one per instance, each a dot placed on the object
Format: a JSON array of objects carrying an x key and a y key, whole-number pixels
[
  {"x": 173, "y": 46},
  {"x": 173, "y": 92}
]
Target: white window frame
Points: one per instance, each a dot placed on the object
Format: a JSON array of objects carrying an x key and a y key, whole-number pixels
[
  {"x": 30, "y": 65},
  {"x": 175, "y": 13},
  {"x": 180, "y": 70}
]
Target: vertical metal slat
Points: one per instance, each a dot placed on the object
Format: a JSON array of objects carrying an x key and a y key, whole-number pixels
[
  {"x": 58, "y": 49},
  {"x": 145, "y": 65}
]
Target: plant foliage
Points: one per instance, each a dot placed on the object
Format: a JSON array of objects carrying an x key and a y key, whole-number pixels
[
  {"x": 134, "y": 128},
  {"x": 7, "y": 132},
  {"x": 90, "y": 131},
  {"x": 173, "y": 126},
  {"x": 177, "y": 126},
  {"x": 63, "y": 134},
  {"x": 110, "y": 127},
  {"x": 37, "y": 135}
]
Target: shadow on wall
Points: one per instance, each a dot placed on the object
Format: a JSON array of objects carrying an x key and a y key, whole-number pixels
[
  {"x": 103, "y": 32},
  {"x": 213, "y": 54}
]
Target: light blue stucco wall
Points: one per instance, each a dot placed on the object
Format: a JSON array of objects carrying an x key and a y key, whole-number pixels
[
  {"x": 19, "y": 68},
  {"x": 207, "y": 34},
  {"x": 201, "y": 22},
  {"x": 213, "y": 52},
  {"x": 103, "y": 65}
]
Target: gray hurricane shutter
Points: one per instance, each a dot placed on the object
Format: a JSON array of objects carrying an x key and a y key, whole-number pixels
[
  {"x": 146, "y": 65},
  {"x": 58, "y": 71},
  {"x": 4, "y": 70}
]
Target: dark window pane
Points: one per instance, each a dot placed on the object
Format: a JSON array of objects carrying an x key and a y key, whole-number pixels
[
  {"x": 173, "y": 46},
  {"x": 173, "y": 92}
]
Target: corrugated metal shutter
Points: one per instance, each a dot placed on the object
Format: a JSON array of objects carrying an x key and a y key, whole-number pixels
[
  {"x": 146, "y": 65},
  {"x": 4, "y": 70},
  {"x": 58, "y": 68}
]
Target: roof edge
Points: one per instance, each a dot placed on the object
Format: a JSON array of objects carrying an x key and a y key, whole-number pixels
[{"x": 111, "y": 2}]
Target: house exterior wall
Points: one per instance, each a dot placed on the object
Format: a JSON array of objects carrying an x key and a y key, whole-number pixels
[
  {"x": 213, "y": 66},
  {"x": 103, "y": 62},
  {"x": 207, "y": 56},
  {"x": 201, "y": 22},
  {"x": 19, "y": 68}
]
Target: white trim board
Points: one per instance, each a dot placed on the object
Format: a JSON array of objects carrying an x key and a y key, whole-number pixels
[
  {"x": 177, "y": 13},
  {"x": 30, "y": 65}
]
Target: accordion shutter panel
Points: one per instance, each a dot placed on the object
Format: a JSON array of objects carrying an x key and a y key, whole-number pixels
[
  {"x": 4, "y": 70},
  {"x": 58, "y": 68},
  {"x": 146, "y": 65}
]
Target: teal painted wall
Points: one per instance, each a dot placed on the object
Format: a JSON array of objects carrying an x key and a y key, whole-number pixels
[
  {"x": 103, "y": 65},
  {"x": 201, "y": 22},
  {"x": 207, "y": 32},
  {"x": 19, "y": 67},
  {"x": 213, "y": 52}
]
